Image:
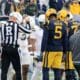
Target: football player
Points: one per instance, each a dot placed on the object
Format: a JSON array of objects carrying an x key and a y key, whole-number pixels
[
  {"x": 38, "y": 35},
  {"x": 64, "y": 16},
  {"x": 74, "y": 45},
  {"x": 54, "y": 45}
]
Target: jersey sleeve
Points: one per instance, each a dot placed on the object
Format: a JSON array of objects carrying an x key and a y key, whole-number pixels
[
  {"x": 44, "y": 40},
  {"x": 65, "y": 39},
  {"x": 27, "y": 29}
]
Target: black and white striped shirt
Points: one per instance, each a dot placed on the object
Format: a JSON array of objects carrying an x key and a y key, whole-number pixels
[{"x": 10, "y": 32}]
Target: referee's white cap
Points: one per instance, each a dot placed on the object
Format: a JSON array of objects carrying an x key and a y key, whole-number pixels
[{"x": 17, "y": 15}]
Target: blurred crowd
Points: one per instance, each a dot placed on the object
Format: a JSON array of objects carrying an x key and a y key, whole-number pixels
[{"x": 7, "y": 6}]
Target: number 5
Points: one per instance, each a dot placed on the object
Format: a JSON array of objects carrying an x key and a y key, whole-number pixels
[{"x": 58, "y": 32}]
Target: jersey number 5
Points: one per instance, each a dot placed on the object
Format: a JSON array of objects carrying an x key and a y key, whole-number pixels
[{"x": 58, "y": 32}]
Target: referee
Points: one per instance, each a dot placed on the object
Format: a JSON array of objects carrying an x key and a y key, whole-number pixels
[{"x": 9, "y": 43}]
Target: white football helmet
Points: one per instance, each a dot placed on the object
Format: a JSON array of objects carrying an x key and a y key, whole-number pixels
[{"x": 41, "y": 18}]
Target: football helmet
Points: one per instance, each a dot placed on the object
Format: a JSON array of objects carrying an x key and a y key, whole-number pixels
[
  {"x": 49, "y": 12},
  {"x": 63, "y": 14}
]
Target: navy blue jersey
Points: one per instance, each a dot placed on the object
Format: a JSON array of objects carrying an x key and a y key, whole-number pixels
[
  {"x": 73, "y": 26},
  {"x": 54, "y": 37}
]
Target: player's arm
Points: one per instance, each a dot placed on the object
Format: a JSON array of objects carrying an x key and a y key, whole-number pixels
[
  {"x": 27, "y": 29},
  {"x": 44, "y": 39},
  {"x": 65, "y": 39},
  {"x": 1, "y": 25}
]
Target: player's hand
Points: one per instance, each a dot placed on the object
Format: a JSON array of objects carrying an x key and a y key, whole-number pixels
[{"x": 40, "y": 57}]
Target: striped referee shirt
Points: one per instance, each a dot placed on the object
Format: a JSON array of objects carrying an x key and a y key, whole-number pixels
[{"x": 10, "y": 32}]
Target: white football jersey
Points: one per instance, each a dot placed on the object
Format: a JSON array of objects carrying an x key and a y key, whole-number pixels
[
  {"x": 22, "y": 41},
  {"x": 38, "y": 34}
]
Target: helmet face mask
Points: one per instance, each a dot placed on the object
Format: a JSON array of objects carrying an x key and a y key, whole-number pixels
[
  {"x": 52, "y": 16},
  {"x": 41, "y": 24}
]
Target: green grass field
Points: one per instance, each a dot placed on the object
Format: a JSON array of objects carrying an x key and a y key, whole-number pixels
[{"x": 51, "y": 76}]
